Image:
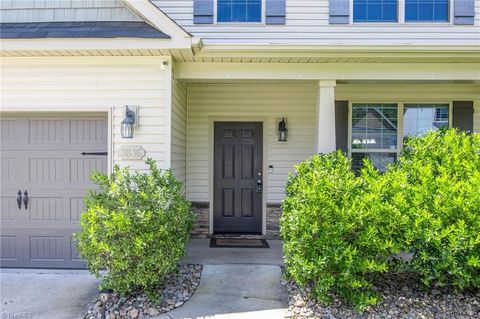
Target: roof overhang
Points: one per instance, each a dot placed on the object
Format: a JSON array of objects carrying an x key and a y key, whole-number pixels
[{"x": 176, "y": 41}]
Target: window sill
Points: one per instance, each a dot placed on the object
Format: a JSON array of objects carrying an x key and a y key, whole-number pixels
[{"x": 234, "y": 24}]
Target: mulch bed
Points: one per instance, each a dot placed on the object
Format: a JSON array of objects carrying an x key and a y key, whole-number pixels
[
  {"x": 403, "y": 296},
  {"x": 175, "y": 291}
]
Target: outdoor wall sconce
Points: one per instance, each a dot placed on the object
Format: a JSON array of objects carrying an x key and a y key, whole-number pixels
[
  {"x": 282, "y": 131},
  {"x": 130, "y": 122}
]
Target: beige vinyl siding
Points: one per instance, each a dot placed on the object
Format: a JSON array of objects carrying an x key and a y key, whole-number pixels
[
  {"x": 250, "y": 102},
  {"x": 307, "y": 24},
  {"x": 64, "y": 10},
  {"x": 95, "y": 84},
  {"x": 179, "y": 130}
]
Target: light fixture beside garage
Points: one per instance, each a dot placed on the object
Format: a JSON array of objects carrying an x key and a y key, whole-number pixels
[
  {"x": 282, "y": 131},
  {"x": 130, "y": 122}
]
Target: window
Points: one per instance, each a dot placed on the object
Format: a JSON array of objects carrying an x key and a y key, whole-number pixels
[
  {"x": 374, "y": 126},
  {"x": 374, "y": 129},
  {"x": 374, "y": 10},
  {"x": 379, "y": 160},
  {"x": 239, "y": 10},
  {"x": 420, "y": 118},
  {"x": 426, "y": 10},
  {"x": 374, "y": 134}
]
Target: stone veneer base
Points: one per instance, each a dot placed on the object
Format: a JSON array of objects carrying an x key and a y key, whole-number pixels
[{"x": 202, "y": 211}]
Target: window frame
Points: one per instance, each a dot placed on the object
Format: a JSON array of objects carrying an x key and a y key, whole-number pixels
[
  {"x": 376, "y": 23},
  {"x": 401, "y": 17},
  {"x": 400, "y": 131},
  {"x": 216, "y": 22},
  {"x": 426, "y": 22}
]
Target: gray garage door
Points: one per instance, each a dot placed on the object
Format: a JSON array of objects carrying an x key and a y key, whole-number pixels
[{"x": 41, "y": 154}]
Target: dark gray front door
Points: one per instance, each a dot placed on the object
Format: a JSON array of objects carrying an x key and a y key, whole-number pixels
[{"x": 238, "y": 177}]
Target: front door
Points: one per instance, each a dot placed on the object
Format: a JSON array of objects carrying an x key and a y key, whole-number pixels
[{"x": 238, "y": 177}]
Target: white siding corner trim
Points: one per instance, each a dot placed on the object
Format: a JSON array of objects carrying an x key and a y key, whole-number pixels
[{"x": 179, "y": 130}]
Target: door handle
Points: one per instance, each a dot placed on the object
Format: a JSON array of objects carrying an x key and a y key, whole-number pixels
[
  {"x": 19, "y": 199},
  {"x": 259, "y": 186},
  {"x": 25, "y": 199}
]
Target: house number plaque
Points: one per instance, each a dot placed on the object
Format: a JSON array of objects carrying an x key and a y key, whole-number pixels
[{"x": 131, "y": 152}]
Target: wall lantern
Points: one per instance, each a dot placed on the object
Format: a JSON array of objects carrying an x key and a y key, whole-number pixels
[
  {"x": 282, "y": 131},
  {"x": 129, "y": 122}
]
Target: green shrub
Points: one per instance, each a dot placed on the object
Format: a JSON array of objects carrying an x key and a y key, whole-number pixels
[
  {"x": 135, "y": 227},
  {"x": 340, "y": 228},
  {"x": 337, "y": 228},
  {"x": 443, "y": 205}
]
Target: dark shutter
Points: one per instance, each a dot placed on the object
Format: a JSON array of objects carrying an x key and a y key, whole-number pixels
[
  {"x": 463, "y": 115},
  {"x": 341, "y": 125},
  {"x": 275, "y": 12},
  {"x": 203, "y": 11},
  {"x": 464, "y": 12},
  {"x": 339, "y": 11}
]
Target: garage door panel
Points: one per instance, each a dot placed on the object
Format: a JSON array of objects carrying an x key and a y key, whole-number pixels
[
  {"x": 8, "y": 245},
  {"x": 43, "y": 156},
  {"x": 47, "y": 130},
  {"x": 88, "y": 131},
  {"x": 81, "y": 169}
]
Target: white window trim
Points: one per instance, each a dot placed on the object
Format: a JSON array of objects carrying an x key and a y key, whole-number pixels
[
  {"x": 215, "y": 16},
  {"x": 400, "y": 108},
  {"x": 401, "y": 17}
]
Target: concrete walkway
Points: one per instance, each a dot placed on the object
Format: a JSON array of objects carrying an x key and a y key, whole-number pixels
[
  {"x": 239, "y": 291},
  {"x": 49, "y": 294},
  {"x": 199, "y": 252},
  {"x": 236, "y": 283}
]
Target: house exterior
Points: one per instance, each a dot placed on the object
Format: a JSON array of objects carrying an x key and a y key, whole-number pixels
[{"x": 210, "y": 81}]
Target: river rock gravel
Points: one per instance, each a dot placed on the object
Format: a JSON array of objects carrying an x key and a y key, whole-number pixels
[
  {"x": 176, "y": 290},
  {"x": 402, "y": 295}
]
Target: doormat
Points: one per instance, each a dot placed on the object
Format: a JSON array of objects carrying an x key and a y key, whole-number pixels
[{"x": 238, "y": 243}]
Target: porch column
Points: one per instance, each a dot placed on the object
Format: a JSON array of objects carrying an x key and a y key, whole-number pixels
[{"x": 325, "y": 133}]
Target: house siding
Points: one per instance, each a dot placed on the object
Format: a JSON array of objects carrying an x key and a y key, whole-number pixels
[
  {"x": 250, "y": 102},
  {"x": 64, "y": 10},
  {"x": 179, "y": 130},
  {"x": 307, "y": 22},
  {"x": 95, "y": 84}
]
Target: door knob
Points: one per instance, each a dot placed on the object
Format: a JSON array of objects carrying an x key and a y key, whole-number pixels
[
  {"x": 25, "y": 199},
  {"x": 19, "y": 199}
]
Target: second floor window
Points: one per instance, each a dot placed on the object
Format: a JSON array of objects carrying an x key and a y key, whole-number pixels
[
  {"x": 426, "y": 10},
  {"x": 239, "y": 10},
  {"x": 374, "y": 10}
]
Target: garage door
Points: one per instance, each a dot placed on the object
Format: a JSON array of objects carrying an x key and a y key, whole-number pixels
[{"x": 41, "y": 155}]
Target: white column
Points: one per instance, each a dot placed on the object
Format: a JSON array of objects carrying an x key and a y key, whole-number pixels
[
  {"x": 476, "y": 116},
  {"x": 325, "y": 134}
]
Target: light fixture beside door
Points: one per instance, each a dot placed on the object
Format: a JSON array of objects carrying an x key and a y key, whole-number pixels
[
  {"x": 130, "y": 122},
  {"x": 282, "y": 131}
]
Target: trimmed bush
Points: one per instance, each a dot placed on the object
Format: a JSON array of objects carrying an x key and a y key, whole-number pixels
[
  {"x": 340, "y": 228},
  {"x": 135, "y": 227},
  {"x": 443, "y": 205},
  {"x": 336, "y": 227}
]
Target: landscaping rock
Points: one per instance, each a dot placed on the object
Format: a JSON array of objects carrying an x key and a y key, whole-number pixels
[
  {"x": 174, "y": 292},
  {"x": 402, "y": 296}
]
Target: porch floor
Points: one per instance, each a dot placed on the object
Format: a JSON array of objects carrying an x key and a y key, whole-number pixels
[{"x": 199, "y": 252}]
